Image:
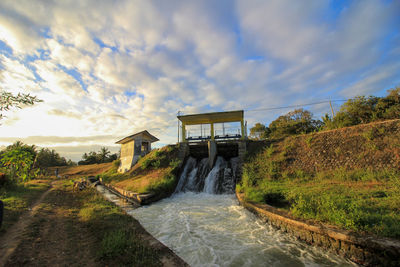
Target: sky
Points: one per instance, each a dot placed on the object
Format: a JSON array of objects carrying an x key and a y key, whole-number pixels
[{"x": 108, "y": 69}]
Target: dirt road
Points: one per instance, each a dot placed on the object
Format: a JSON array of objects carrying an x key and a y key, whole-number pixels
[{"x": 54, "y": 234}]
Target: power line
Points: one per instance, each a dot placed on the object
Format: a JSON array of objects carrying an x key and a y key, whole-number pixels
[{"x": 296, "y": 106}]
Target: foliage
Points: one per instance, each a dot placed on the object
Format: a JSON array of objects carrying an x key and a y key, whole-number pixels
[
  {"x": 158, "y": 158},
  {"x": 164, "y": 185},
  {"x": 116, "y": 163},
  {"x": 259, "y": 131},
  {"x": 359, "y": 200},
  {"x": 366, "y": 109},
  {"x": 299, "y": 121},
  {"x": 355, "y": 111},
  {"x": 49, "y": 157},
  {"x": 8, "y": 100},
  {"x": 156, "y": 172},
  {"x": 18, "y": 161},
  {"x": 104, "y": 155},
  {"x": 146, "y": 163}
]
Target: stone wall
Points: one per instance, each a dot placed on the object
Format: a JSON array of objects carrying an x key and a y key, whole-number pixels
[{"x": 368, "y": 251}]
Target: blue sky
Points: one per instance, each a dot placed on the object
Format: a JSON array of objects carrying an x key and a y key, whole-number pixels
[{"x": 106, "y": 69}]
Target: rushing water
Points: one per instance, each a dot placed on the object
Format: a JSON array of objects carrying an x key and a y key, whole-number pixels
[
  {"x": 213, "y": 230},
  {"x": 204, "y": 224}
]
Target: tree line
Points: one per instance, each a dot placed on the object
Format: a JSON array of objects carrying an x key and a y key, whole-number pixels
[
  {"x": 355, "y": 111},
  {"x": 104, "y": 155},
  {"x": 21, "y": 161}
]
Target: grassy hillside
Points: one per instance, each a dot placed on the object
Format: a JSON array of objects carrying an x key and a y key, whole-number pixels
[
  {"x": 348, "y": 177},
  {"x": 154, "y": 173},
  {"x": 80, "y": 170}
]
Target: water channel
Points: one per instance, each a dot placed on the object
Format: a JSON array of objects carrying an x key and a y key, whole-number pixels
[{"x": 207, "y": 227}]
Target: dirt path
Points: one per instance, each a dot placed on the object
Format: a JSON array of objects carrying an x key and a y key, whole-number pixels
[
  {"x": 49, "y": 235},
  {"x": 12, "y": 238},
  {"x": 53, "y": 233}
]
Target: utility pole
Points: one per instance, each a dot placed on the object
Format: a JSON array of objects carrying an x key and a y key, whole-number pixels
[{"x": 333, "y": 113}]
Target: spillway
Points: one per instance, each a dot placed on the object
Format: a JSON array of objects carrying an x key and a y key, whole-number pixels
[{"x": 204, "y": 224}]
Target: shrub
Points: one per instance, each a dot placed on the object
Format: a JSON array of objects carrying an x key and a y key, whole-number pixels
[
  {"x": 156, "y": 164},
  {"x": 146, "y": 163},
  {"x": 116, "y": 163},
  {"x": 175, "y": 163}
]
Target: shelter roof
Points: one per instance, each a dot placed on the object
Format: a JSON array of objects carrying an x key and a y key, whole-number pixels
[
  {"x": 213, "y": 117},
  {"x": 124, "y": 140}
]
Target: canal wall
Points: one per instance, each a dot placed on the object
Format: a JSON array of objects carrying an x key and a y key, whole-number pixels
[{"x": 364, "y": 250}]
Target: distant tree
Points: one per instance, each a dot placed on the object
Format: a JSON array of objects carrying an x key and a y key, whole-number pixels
[
  {"x": 8, "y": 100},
  {"x": 103, "y": 155},
  {"x": 259, "y": 131},
  {"x": 49, "y": 158},
  {"x": 71, "y": 163},
  {"x": 112, "y": 157},
  {"x": 389, "y": 107},
  {"x": 366, "y": 109},
  {"x": 295, "y": 122}
]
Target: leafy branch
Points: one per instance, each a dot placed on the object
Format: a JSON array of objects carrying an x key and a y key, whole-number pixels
[{"x": 8, "y": 100}]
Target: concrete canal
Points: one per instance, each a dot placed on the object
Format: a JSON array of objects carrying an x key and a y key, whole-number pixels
[{"x": 204, "y": 224}]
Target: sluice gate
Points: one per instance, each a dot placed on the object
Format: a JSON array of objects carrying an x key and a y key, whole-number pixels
[{"x": 209, "y": 135}]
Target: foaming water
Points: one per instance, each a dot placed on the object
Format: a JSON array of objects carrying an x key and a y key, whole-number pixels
[{"x": 213, "y": 230}]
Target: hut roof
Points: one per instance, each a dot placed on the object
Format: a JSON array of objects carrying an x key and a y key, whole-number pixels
[{"x": 134, "y": 136}]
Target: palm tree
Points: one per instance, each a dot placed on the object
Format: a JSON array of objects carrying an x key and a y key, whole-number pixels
[{"x": 103, "y": 154}]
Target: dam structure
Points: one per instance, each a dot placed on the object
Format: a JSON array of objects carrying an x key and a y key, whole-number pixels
[
  {"x": 212, "y": 146},
  {"x": 209, "y": 135},
  {"x": 202, "y": 222}
]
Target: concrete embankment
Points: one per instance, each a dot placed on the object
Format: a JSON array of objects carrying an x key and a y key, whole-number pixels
[
  {"x": 135, "y": 198},
  {"x": 365, "y": 250}
]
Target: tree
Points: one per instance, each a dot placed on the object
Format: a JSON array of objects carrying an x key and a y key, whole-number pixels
[
  {"x": 18, "y": 160},
  {"x": 8, "y": 100},
  {"x": 49, "y": 158},
  {"x": 259, "y": 131},
  {"x": 103, "y": 154},
  {"x": 295, "y": 122},
  {"x": 366, "y": 109}
]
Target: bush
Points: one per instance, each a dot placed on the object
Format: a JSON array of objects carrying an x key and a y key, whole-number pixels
[{"x": 146, "y": 163}]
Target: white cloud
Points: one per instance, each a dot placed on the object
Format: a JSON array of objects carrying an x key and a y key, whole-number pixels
[
  {"x": 56, "y": 80},
  {"x": 114, "y": 68},
  {"x": 16, "y": 77}
]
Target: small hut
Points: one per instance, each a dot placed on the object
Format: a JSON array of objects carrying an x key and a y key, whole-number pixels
[{"x": 133, "y": 147}]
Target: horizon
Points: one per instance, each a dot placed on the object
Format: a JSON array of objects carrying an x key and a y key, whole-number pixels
[{"x": 106, "y": 70}]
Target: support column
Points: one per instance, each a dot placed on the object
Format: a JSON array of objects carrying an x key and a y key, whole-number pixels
[
  {"x": 183, "y": 132},
  {"x": 212, "y": 153},
  {"x": 242, "y": 128},
  {"x": 212, "y": 131}
]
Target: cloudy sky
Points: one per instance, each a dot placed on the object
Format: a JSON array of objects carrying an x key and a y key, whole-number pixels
[{"x": 107, "y": 69}]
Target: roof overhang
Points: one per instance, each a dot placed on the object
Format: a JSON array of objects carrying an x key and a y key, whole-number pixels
[
  {"x": 213, "y": 117},
  {"x": 134, "y": 136}
]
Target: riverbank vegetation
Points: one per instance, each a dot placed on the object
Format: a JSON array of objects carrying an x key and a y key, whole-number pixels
[
  {"x": 154, "y": 173},
  {"x": 359, "y": 200},
  {"x": 347, "y": 177}
]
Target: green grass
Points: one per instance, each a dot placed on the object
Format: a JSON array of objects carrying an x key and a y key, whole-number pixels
[
  {"x": 163, "y": 182},
  {"x": 119, "y": 242},
  {"x": 17, "y": 198},
  {"x": 364, "y": 201}
]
